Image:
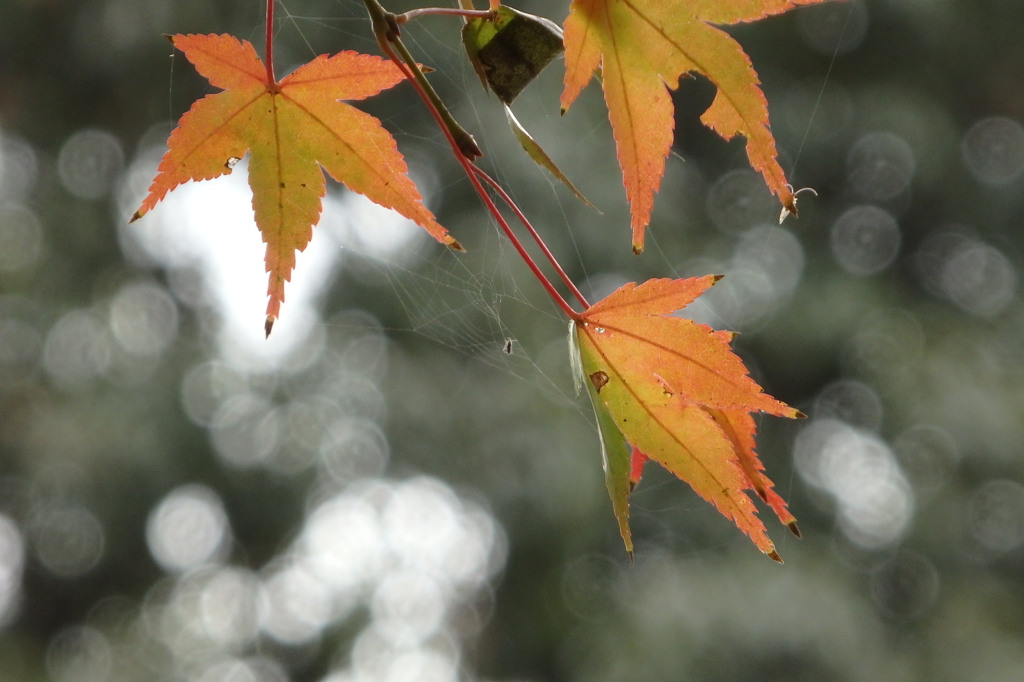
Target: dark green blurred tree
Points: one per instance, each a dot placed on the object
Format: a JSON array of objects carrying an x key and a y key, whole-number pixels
[{"x": 890, "y": 313}]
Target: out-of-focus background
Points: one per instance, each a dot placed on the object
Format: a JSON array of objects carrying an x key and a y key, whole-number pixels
[{"x": 381, "y": 492}]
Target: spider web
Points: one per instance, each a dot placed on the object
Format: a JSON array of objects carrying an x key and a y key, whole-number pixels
[{"x": 481, "y": 304}]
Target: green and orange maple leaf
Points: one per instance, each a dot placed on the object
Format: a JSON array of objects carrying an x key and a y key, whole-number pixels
[
  {"x": 291, "y": 128},
  {"x": 642, "y": 46},
  {"x": 670, "y": 389}
]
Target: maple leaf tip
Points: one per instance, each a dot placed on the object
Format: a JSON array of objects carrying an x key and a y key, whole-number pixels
[
  {"x": 774, "y": 556},
  {"x": 136, "y": 216},
  {"x": 794, "y": 529},
  {"x": 269, "y": 326},
  {"x": 454, "y": 245},
  {"x": 799, "y": 415},
  {"x": 169, "y": 37},
  {"x": 718, "y": 278},
  {"x": 788, "y": 210},
  {"x": 637, "y": 249}
]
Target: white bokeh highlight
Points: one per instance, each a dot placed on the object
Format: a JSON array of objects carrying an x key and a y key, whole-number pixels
[
  {"x": 976, "y": 277},
  {"x": 143, "y": 318},
  {"x": 408, "y": 563},
  {"x": 764, "y": 271},
  {"x": 188, "y": 528},
  {"x": 874, "y": 501},
  {"x": 209, "y": 226},
  {"x": 207, "y": 229},
  {"x": 410, "y": 551}
]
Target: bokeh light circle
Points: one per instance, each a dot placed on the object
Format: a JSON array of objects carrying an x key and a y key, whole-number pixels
[
  {"x": 880, "y": 166},
  {"x": 866, "y": 240},
  {"x": 850, "y": 401},
  {"x": 740, "y": 200},
  {"x": 997, "y": 515},
  {"x": 188, "y": 528},
  {"x": 68, "y": 541},
  {"x": 875, "y": 502},
  {"x": 79, "y": 654},
  {"x": 143, "y": 318},
  {"x": 89, "y": 162},
  {"x": 993, "y": 150},
  {"x": 979, "y": 279},
  {"x": 833, "y": 28},
  {"x": 77, "y": 349}
]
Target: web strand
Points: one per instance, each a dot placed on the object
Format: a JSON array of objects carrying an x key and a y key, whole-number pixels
[{"x": 821, "y": 92}]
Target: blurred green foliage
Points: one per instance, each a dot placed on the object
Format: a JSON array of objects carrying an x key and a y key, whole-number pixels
[{"x": 889, "y": 312}]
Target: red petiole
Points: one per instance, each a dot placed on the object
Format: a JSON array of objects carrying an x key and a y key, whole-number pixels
[
  {"x": 499, "y": 190},
  {"x": 270, "y": 43},
  {"x": 385, "y": 29},
  {"x": 468, "y": 168}
]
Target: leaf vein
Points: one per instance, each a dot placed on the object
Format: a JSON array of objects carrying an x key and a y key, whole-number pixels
[
  {"x": 671, "y": 351},
  {"x": 725, "y": 489},
  {"x": 689, "y": 56}
]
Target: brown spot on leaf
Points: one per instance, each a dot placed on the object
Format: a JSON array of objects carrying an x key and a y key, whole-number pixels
[{"x": 599, "y": 379}]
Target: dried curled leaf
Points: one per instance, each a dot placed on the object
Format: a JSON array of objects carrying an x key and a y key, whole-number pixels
[{"x": 510, "y": 49}]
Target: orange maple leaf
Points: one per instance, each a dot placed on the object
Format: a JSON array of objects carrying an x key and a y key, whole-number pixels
[
  {"x": 291, "y": 128},
  {"x": 674, "y": 390},
  {"x": 642, "y": 46}
]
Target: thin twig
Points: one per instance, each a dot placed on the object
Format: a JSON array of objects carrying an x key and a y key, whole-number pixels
[{"x": 450, "y": 11}]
